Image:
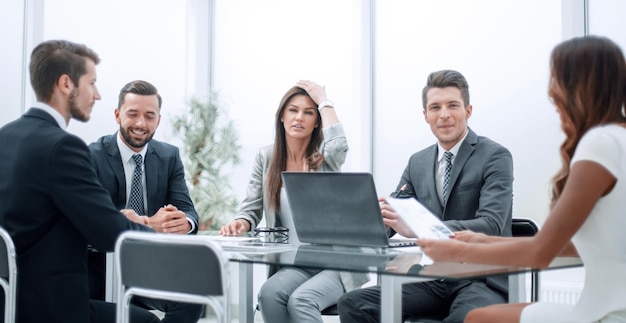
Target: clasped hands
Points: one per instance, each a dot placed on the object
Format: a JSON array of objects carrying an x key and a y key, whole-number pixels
[{"x": 168, "y": 219}]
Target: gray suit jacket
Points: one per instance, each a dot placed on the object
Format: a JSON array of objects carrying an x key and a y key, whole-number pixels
[
  {"x": 481, "y": 194},
  {"x": 256, "y": 203}
]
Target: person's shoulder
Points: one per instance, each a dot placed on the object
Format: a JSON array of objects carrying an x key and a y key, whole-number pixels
[
  {"x": 100, "y": 143},
  {"x": 610, "y": 134},
  {"x": 266, "y": 150},
  {"x": 163, "y": 149},
  {"x": 487, "y": 143},
  {"x": 162, "y": 145},
  {"x": 607, "y": 129},
  {"x": 428, "y": 151}
]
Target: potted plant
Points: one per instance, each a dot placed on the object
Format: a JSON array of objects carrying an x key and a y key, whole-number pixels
[{"x": 210, "y": 149}]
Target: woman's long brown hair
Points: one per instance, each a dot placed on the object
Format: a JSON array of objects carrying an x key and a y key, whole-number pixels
[
  {"x": 278, "y": 163},
  {"x": 588, "y": 87}
]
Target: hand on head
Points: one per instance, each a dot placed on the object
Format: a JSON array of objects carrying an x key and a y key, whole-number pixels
[{"x": 315, "y": 91}]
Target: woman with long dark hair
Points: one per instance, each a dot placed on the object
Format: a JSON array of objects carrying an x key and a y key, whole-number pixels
[
  {"x": 309, "y": 137},
  {"x": 588, "y": 88}
]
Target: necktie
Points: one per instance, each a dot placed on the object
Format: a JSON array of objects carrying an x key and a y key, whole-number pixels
[
  {"x": 446, "y": 175},
  {"x": 136, "y": 190}
]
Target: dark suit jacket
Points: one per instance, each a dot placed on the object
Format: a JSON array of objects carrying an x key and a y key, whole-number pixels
[
  {"x": 165, "y": 184},
  {"x": 165, "y": 176},
  {"x": 53, "y": 205},
  {"x": 481, "y": 197}
]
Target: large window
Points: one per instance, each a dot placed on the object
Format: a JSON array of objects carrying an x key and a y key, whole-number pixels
[
  {"x": 502, "y": 48},
  {"x": 139, "y": 39},
  {"x": 262, "y": 48}
]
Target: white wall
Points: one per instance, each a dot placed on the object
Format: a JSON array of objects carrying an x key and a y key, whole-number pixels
[
  {"x": 505, "y": 60},
  {"x": 139, "y": 39},
  {"x": 11, "y": 22}
]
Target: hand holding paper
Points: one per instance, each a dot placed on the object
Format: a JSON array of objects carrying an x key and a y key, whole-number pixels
[{"x": 419, "y": 219}]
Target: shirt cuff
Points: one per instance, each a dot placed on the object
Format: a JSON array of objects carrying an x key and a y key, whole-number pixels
[{"x": 192, "y": 224}]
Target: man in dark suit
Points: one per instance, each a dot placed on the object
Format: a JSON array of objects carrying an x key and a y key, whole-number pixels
[
  {"x": 475, "y": 194},
  {"x": 164, "y": 204},
  {"x": 52, "y": 202}
]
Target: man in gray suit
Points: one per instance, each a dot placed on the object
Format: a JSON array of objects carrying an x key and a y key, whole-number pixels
[{"x": 475, "y": 193}]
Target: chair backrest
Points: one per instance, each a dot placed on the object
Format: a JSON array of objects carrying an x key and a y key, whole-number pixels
[
  {"x": 523, "y": 227},
  {"x": 8, "y": 275},
  {"x": 183, "y": 268}
]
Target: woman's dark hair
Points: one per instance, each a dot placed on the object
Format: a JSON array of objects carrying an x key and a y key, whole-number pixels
[
  {"x": 278, "y": 162},
  {"x": 588, "y": 87}
]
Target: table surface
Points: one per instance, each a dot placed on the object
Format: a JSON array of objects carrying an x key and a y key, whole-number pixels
[
  {"x": 394, "y": 267},
  {"x": 405, "y": 261}
]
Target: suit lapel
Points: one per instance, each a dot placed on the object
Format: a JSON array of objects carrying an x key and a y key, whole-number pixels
[
  {"x": 431, "y": 157},
  {"x": 117, "y": 167},
  {"x": 152, "y": 165},
  {"x": 465, "y": 151}
]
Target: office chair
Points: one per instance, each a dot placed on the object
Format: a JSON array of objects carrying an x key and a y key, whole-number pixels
[
  {"x": 8, "y": 275},
  {"x": 520, "y": 227},
  {"x": 523, "y": 227},
  {"x": 182, "y": 268}
]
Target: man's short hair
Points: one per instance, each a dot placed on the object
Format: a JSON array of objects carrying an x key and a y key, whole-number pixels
[
  {"x": 52, "y": 59},
  {"x": 138, "y": 87},
  {"x": 446, "y": 78}
]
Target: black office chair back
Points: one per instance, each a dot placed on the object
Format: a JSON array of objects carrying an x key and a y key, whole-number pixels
[
  {"x": 184, "y": 265},
  {"x": 521, "y": 227}
]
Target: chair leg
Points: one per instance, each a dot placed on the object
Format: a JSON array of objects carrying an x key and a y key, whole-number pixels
[{"x": 534, "y": 286}]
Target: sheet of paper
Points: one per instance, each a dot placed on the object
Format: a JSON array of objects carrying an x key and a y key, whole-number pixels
[
  {"x": 232, "y": 238},
  {"x": 419, "y": 219}
]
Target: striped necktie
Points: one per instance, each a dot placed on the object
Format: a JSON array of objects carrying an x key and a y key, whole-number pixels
[
  {"x": 446, "y": 175},
  {"x": 135, "y": 201}
]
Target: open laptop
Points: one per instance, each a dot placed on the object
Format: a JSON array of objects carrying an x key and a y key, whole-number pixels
[{"x": 332, "y": 208}]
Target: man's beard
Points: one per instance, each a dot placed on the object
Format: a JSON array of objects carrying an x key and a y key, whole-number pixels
[
  {"x": 132, "y": 142},
  {"x": 75, "y": 112}
]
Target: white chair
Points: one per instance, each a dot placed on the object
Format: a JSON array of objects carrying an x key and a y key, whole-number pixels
[
  {"x": 8, "y": 275},
  {"x": 182, "y": 268}
]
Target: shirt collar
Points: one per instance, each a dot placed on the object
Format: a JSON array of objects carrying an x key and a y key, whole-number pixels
[
  {"x": 454, "y": 150},
  {"x": 127, "y": 153},
  {"x": 52, "y": 112}
]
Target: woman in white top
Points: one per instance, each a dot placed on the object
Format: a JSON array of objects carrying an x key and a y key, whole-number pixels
[
  {"x": 587, "y": 218},
  {"x": 309, "y": 137}
]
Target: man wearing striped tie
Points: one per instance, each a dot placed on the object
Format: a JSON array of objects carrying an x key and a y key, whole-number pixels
[
  {"x": 464, "y": 179},
  {"x": 145, "y": 178}
]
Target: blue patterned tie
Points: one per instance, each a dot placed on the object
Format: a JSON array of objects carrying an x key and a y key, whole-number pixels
[
  {"x": 446, "y": 175},
  {"x": 136, "y": 191}
]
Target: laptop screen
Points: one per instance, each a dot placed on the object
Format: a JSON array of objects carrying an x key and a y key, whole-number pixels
[{"x": 335, "y": 208}]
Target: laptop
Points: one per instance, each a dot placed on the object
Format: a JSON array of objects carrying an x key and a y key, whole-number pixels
[{"x": 331, "y": 208}]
